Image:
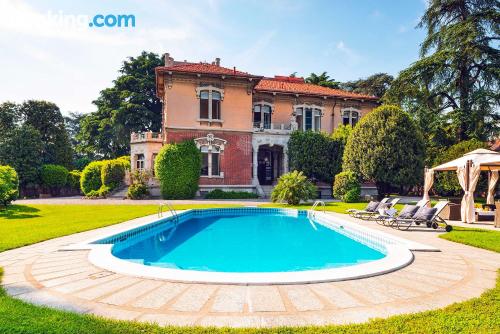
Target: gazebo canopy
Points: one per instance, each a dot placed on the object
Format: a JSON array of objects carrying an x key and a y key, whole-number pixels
[{"x": 488, "y": 160}]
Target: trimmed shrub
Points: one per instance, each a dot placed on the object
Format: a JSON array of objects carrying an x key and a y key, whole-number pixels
[
  {"x": 178, "y": 169},
  {"x": 54, "y": 176},
  {"x": 316, "y": 154},
  {"x": 346, "y": 187},
  {"x": 9, "y": 185},
  {"x": 139, "y": 188},
  {"x": 91, "y": 177},
  {"x": 220, "y": 194},
  {"x": 292, "y": 188},
  {"x": 138, "y": 191},
  {"x": 126, "y": 161},
  {"x": 386, "y": 147},
  {"x": 74, "y": 179},
  {"x": 112, "y": 173},
  {"x": 352, "y": 195}
]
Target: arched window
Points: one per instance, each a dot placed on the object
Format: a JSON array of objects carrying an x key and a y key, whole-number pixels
[
  {"x": 308, "y": 117},
  {"x": 262, "y": 115},
  {"x": 350, "y": 116},
  {"x": 210, "y": 103},
  {"x": 211, "y": 149}
]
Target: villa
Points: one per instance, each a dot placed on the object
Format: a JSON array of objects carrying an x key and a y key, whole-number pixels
[{"x": 241, "y": 122}]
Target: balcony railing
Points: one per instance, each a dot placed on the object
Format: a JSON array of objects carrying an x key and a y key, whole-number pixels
[
  {"x": 140, "y": 137},
  {"x": 272, "y": 127}
]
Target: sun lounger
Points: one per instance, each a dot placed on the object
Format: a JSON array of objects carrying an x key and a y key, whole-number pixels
[
  {"x": 381, "y": 209},
  {"x": 408, "y": 211},
  {"x": 428, "y": 216},
  {"x": 371, "y": 207}
]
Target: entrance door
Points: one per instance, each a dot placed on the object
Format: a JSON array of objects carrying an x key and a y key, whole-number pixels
[{"x": 270, "y": 164}]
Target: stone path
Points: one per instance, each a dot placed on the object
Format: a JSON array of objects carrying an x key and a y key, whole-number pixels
[{"x": 42, "y": 274}]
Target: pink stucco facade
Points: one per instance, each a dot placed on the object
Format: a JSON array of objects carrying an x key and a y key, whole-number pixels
[{"x": 215, "y": 106}]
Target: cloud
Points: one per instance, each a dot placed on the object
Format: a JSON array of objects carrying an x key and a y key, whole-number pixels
[{"x": 342, "y": 53}]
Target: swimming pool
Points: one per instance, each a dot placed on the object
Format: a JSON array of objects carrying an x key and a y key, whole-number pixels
[{"x": 249, "y": 245}]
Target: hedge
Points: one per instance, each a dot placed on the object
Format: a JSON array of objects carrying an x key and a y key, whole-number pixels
[
  {"x": 54, "y": 176},
  {"x": 9, "y": 185},
  {"x": 178, "y": 170},
  {"x": 220, "y": 194},
  {"x": 112, "y": 173},
  {"x": 91, "y": 177},
  {"x": 315, "y": 154},
  {"x": 74, "y": 179}
]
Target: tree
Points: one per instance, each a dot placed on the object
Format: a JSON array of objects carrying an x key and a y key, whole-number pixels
[
  {"x": 315, "y": 154},
  {"x": 376, "y": 85},
  {"x": 9, "y": 185},
  {"x": 386, "y": 147},
  {"x": 22, "y": 149},
  {"x": 129, "y": 106},
  {"x": 9, "y": 116},
  {"x": 457, "y": 75},
  {"x": 178, "y": 167},
  {"x": 47, "y": 119},
  {"x": 322, "y": 80}
]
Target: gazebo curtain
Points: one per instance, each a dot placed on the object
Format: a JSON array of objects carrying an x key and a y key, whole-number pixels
[
  {"x": 491, "y": 187},
  {"x": 428, "y": 181},
  {"x": 467, "y": 205}
]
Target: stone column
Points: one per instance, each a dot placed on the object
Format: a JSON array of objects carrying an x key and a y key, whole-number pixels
[
  {"x": 255, "y": 164},
  {"x": 285, "y": 160}
]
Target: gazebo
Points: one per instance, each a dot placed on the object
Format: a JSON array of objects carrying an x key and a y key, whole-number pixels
[{"x": 468, "y": 168}]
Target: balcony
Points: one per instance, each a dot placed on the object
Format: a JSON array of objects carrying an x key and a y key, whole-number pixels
[
  {"x": 145, "y": 137},
  {"x": 278, "y": 128}
]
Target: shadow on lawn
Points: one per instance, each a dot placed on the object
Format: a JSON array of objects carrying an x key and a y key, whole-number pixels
[{"x": 18, "y": 212}]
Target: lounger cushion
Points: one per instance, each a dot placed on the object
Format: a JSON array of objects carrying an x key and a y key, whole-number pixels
[
  {"x": 425, "y": 213},
  {"x": 372, "y": 206},
  {"x": 408, "y": 211},
  {"x": 383, "y": 206}
]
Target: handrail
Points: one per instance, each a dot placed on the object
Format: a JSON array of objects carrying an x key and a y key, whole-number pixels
[
  {"x": 316, "y": 203},
  {"x": 172, "y": 212}
]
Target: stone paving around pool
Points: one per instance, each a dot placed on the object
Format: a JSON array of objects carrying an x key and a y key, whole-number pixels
[{"x": 43, "y": 274}]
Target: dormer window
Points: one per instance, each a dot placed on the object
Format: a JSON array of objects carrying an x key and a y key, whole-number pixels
[
  {"x": 350, "y": 116},
  {"x": 308, "y": 117},
  {"x": 210, "y": 103}
]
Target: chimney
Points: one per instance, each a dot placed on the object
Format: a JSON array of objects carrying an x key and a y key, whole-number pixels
[
  {"x": 169, "y": 61},
  {"x": 217, "y": 61}
]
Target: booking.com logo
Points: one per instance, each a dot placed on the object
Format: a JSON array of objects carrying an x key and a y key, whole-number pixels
[
  {"x": 111, "y": 21},
  {"x": 97, "y": 21}
]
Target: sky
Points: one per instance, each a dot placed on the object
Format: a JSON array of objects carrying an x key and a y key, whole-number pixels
[{"x": 48, "y": 51}]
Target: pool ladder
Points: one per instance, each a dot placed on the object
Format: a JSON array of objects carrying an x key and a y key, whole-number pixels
[
  {"x": 310, "y": 213},
  {"x": 172, "y": 212}
]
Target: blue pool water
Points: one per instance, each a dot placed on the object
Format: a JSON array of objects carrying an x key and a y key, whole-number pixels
[{"x": 247, "y": 243}]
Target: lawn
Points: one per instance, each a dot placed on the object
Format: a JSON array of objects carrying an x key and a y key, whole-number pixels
[
  {"x": 339, "y": 207},
  {"x": 476, "y": 237},
  {"x": 23, "y": 225}
]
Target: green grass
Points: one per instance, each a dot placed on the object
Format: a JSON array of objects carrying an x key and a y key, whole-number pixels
[
  {"x": 339, "y": 207},
  {"x": 23, "y": 225},
  {"x": 478, "y": 315},
  {"x": 476, "y": 237}
]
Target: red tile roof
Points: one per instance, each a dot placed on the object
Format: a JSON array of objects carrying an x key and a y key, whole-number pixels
[
  {"x": 204, "y": 68},
  {"x": 298, "y": 86}
]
